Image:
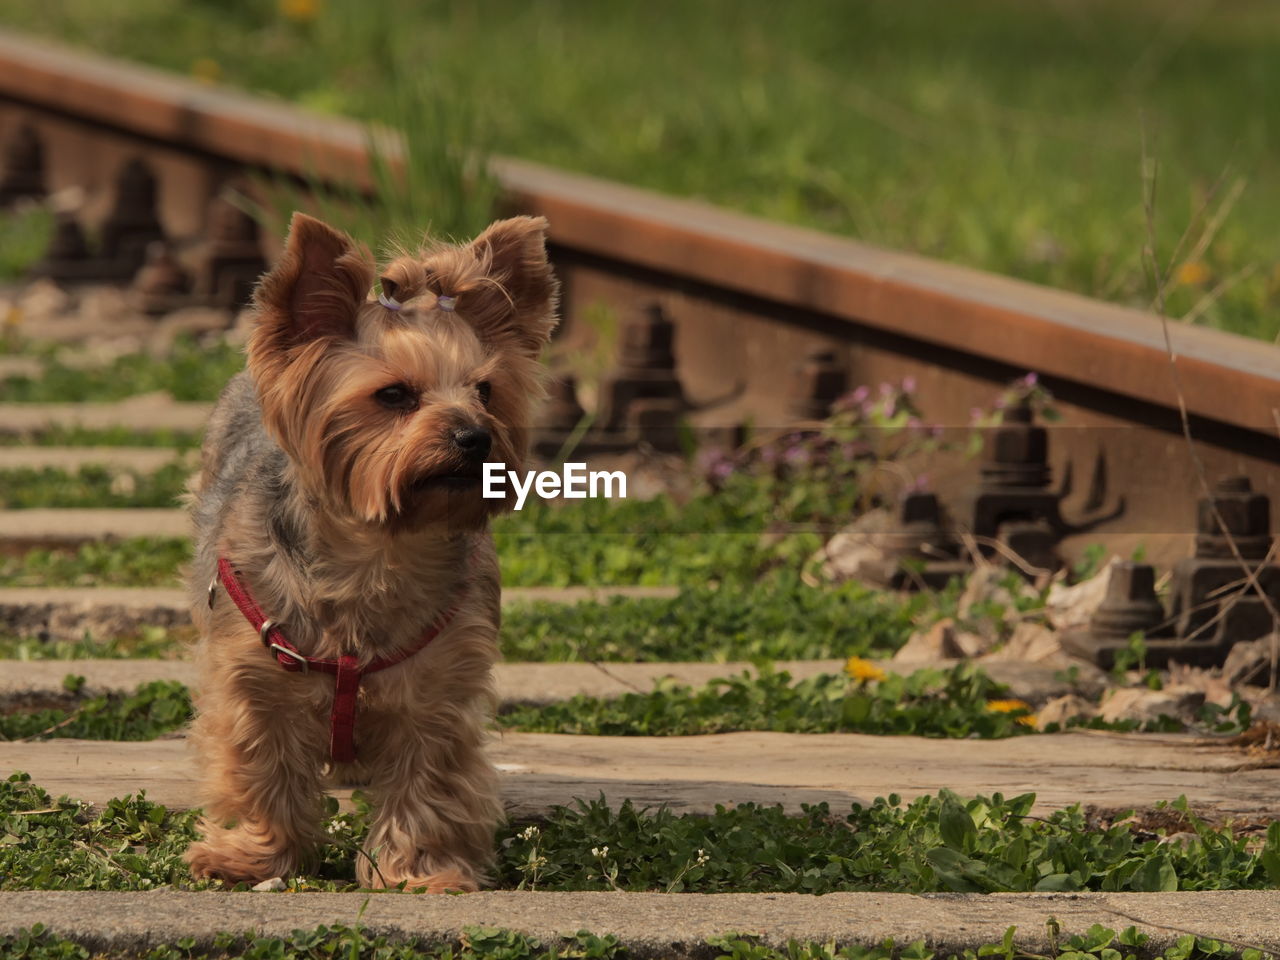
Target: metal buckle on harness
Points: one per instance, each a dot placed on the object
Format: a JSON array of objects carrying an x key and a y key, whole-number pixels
[
  {"x": 302, "y": 661},
  {"x": 264, "y": 632}
]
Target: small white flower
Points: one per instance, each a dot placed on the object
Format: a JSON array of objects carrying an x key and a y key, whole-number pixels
[
  {"x": 529, "y": 832},
  {"x": 600, "y": 851}
]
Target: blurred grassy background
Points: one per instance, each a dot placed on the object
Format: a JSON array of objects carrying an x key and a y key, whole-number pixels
[{"x": 1001, "y": 134}]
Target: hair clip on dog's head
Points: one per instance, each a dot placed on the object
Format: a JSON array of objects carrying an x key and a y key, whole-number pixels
[{"x": 445, "y": 303}]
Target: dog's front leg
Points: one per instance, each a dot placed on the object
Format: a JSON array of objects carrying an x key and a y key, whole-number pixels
[
  {"x": 437, "y": 804},
  {"x": 260, "y": 748}
]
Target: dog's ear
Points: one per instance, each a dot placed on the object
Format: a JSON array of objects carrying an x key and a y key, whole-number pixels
[
  {"x": 515, "y": 251},
  {"x": 316, "y": 288},
  {"x": 503, "y": 283}
]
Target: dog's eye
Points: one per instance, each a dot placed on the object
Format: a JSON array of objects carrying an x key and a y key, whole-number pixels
[
  {"x": 398, "y": 396},
  {"x": 485, "y": 389}
]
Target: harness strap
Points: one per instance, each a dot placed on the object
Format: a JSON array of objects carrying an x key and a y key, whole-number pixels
[{"x": 346, "y": 669}]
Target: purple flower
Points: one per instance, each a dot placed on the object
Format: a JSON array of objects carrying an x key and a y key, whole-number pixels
[
  {"x": 908, "y": 384},
  {"x": 716, "y": 464},
  {"x": 796, "y": 454},
  {"x": 886, "y": 389},
  {"x": 860, "y": 394}
]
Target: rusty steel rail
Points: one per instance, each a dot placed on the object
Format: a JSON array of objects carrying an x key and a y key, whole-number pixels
[
  {"x": 182, "y": 114},
  {"x": 1120, "y": 352},
  {"x": 752, "y": 300},
  {"x": 744, "y": 321}
]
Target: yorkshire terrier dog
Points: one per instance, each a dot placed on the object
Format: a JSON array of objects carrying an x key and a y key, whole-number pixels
[{"x": 346, "y": 586}]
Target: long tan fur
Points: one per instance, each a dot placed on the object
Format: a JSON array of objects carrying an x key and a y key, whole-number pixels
[{"x": 326, "y": 502}]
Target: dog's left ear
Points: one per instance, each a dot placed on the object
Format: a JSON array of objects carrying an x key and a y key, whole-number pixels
[
  {"x": 516, "y": 301},
  {"x": 316, "y": 288}
]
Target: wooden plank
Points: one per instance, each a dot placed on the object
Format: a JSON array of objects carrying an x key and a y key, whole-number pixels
[
  {"x": 523, "y": 682},
  {"x": 144, "y": 412},
  {"x": 44, "y": 528},
  {"x": 72, "y": 459},
  {"x": 70, "y": 612},
  {"x": 693, "y": 774},
  {"x": 652, "y": 925}
]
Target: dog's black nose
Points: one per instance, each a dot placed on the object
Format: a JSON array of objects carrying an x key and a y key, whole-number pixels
[{"x": 474, "y": 442}]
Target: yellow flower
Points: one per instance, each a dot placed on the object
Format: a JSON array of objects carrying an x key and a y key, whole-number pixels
[
  {"x": 206, "y": 70},
  {"x": 1007, "y": 706},
  {"x": 1193, "y": 273},
  {"x": 864, "y": 671},
  {"x": 1014, "y": 706},
  {"x": 300, "y": 11}
]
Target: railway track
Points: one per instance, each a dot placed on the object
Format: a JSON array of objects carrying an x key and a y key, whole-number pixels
[{"x": 730, "y": 320}]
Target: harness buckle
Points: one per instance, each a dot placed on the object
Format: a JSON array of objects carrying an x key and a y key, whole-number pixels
[
  {"x": 294, "y": 654},
  {"x": 265, "y": 630},
  {"x": 264, "y": 633},
  {"x": 213, "y": 590}
]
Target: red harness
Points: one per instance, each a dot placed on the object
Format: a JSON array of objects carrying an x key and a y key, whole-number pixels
[{"x": 346, "y": 669}]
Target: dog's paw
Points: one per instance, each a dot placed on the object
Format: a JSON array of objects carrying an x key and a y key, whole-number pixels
[
  {"x": 235, "y": 859},
  {"x": 206, "y": 862},
  {"x": 448, "y": 879}
]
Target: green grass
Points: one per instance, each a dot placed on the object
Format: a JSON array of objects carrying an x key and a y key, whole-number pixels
[
  {"x": 940, "y": 843},
  {"x": 59, "y": 436},
  {"x": 189, "y": 372},
  {"x": 931, "y": 703},
  {"x": 958, "y": 703},
  {"x": 147, "y": 643},
  {"x": 136, "y": 562},
  {"x": 1004, "y": 135},
  {"x": 780, "y": 619},
  {"x": 935, "y": 843},
  {"x": 153, "y": 709},
  {"x": 92, "y": 486},
  {"x": 607, "y": 560},
  {"x": 355, "y": 943},
  {"x": 24, "y": 234},
  {"x": 597, "y": 542},
  {"x": 707, "y": 539},
  {"x": 492, "y": 943}
]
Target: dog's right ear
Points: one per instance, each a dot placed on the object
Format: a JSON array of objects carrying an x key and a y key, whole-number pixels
[{"x": 316, "y": 288}]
